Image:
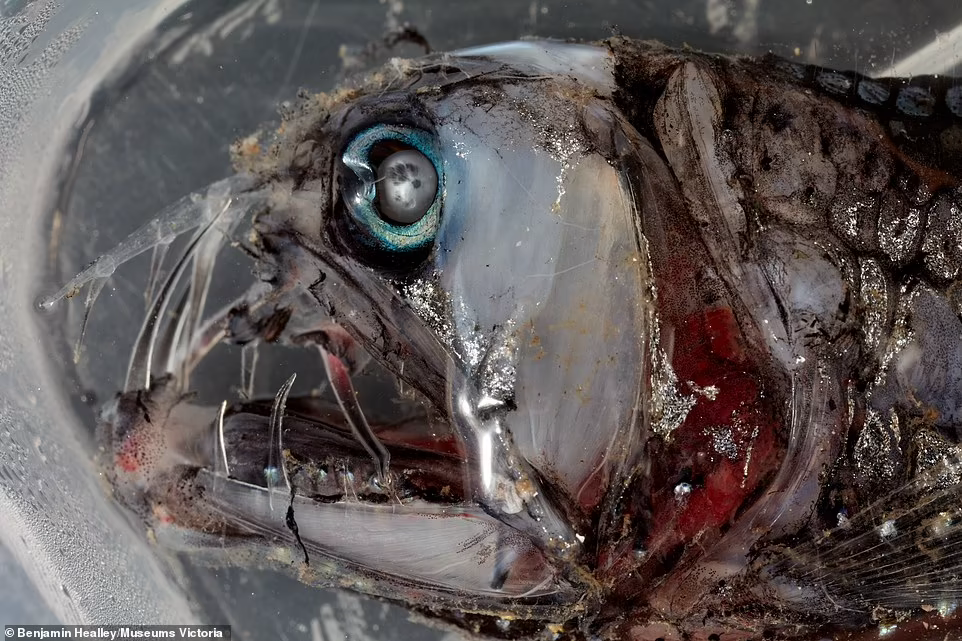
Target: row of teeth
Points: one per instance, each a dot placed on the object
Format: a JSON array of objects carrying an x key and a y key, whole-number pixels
[{"x": 277, "y": 471}]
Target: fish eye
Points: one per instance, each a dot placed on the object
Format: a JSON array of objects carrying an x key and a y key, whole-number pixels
[
  {"x": 391, "y": 188},
  {"x": 407, "y": 185}
]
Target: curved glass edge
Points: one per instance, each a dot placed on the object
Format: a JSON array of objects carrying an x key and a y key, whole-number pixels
[{"x": 58, "y": 524}]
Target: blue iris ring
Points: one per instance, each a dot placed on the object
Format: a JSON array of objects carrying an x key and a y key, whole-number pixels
[{"x": 360, "y": 199}]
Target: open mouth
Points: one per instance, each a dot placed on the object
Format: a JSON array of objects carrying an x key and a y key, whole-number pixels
[{"x": 361, "y": 483}]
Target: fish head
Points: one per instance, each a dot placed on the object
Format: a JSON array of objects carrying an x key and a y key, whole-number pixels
[{"x": 513, "y": 295}]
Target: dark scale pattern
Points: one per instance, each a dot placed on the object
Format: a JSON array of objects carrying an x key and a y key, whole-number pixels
[
  {"x": 916, "y": 101},
  {"x": 834, "y": 82},
  {"x": 953, "y": 99},
  {"x": 874, "y": 93}
]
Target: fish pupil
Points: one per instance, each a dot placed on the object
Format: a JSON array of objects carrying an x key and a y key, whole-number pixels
[{"x": 407, "y": 186}]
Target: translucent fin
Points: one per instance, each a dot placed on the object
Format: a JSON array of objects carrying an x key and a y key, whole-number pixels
[
  {"x": 902, "y": 552},
  {"x": 340, "y": 380}
]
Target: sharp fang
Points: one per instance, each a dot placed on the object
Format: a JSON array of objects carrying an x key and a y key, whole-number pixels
[
  {"x": 248, "y": 366},
  {"x": 340, "y": 381},
  {"x": 201, "y": 275},
  {"x": 201, "y": 248},
  {"x": 138, "y": 372},
  {"x": 277, "y": 420},
  {"x": 157, "y": 256},
  {"x": 166, "y": 344},
  {"x": 221, "y": 443}
]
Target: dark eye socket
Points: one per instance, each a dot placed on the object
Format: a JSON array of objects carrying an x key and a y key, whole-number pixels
[{"x": 392, "y": 188}]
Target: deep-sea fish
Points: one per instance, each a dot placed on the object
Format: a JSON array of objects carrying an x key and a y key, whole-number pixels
[{"x": 677, "y": 339}]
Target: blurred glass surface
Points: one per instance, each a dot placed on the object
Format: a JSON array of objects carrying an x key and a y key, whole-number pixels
[{"x": 111, "y": 109}]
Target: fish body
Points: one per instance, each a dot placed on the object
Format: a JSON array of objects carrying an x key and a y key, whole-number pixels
[{"x": 680, "y": 337}]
